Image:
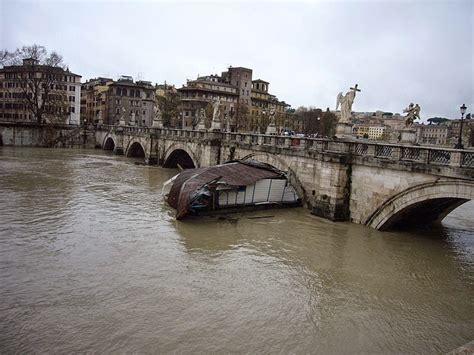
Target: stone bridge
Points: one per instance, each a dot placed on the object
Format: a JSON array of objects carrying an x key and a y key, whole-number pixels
[{"x": 382, "y": 186}]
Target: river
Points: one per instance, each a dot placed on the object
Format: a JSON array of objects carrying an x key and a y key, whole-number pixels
[{"x": 92, "y": 260}]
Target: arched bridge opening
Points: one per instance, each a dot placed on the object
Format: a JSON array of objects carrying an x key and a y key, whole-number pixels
[
  {"x": 179, "y": 157},
  {"x": 423, "y": 213},
  {"x": 421, "y": 205},
  {"x": 136, "y": 151},
  {"x": 109, "y": 144}
]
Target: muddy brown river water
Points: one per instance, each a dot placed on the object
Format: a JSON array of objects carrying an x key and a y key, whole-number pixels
[{"x": 91, "y": 260}]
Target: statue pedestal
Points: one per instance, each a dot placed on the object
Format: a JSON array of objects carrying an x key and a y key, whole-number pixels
[
  {"x": 215, "y": 125},
  {"x": 408, "y": 135},
  {"x": 201, "y": 126},
  {"x": 271, "y": 130},
  {"x": 121, "y": 122},
  {"x": 344, "y": 130}
]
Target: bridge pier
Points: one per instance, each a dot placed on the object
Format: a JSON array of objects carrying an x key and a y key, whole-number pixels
[
  {"x": 118, "y": 150},
  {"x": 151, "y": 159},
  {"x": 334, "y": 209}
]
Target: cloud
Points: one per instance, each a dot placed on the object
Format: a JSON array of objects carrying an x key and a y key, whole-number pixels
[{"x": 397, "y": 51}]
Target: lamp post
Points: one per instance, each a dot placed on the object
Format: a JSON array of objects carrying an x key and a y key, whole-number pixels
[
  {"x": 84, "y": 134},
  {"x": 459, "y": 144}
]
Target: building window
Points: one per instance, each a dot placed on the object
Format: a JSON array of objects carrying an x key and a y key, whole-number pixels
[
  {"x": 72, "y": 98},
  {"x": 72, "y": 109},
  {"x": 118, "y": 92},
  {"x": 72, "y": 88}
]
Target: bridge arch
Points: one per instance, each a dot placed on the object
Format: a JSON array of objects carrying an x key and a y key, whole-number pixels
[
  {"x": 280, "y": 163},
  {"x": 421, "y": 205},
  {"x": 109, "y": 143},
  {"x": 178, "y": 153},
  {"x": 269, "y": 158},
  {"x": 135, "y": 149}
]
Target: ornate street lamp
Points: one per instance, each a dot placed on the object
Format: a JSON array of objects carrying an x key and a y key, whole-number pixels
[{"x": 459, "y": 145}]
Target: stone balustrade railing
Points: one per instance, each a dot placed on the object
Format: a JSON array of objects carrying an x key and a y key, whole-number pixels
[{"x": 422, "y": 154}]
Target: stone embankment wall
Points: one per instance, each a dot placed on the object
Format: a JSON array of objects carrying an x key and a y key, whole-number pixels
[{"x": 36, "y": 135}]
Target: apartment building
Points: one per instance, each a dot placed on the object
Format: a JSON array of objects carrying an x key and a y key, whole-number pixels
[
  {"x": 112, "y": 100},
  {"x": 242, "y": 99},
  {"x": 32, "y": 92},
  {"x": 94, "y": 100}
]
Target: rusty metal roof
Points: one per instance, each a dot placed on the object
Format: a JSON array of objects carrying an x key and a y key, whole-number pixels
[{"x": 235, "y": 173}]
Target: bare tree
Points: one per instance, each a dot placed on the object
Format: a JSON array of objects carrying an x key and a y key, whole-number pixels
[
  {"x": 315, "y": 121},
  {"x": 240, "y": 116},
  {"x": 5, "y": 57},
  {"x": 36, "y": 80},
  {"x": 168, "y": 104},
  {"x": 328, "y": 124}
]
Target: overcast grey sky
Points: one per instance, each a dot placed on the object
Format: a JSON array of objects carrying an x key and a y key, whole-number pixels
[{"x": 397, "y": 51}]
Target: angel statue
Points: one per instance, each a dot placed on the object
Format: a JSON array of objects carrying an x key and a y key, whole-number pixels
[
  {"x": 412, "y": 114},
  {"x": 216, "y": 112},
  {"x": 157, "y": 119},
  {"x": 346, "y": 102},
  {"x": 200, "y": 118}
]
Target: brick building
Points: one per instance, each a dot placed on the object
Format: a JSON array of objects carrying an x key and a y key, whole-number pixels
[
  {"x": 133, "y": 101},
  {"x": 164, "y": 89},
  {"x": 433, "y": 134},
  {"x": 94, "y": 99},
  {"x": 245, "y": 103}
]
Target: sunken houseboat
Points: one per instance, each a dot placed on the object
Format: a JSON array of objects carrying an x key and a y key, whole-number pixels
[{"x": 235, "y": 186}]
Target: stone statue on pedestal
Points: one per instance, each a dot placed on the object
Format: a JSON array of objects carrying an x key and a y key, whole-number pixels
[
  {"x": 412, "y": 114},
  {"x": 216, "y": 119},
  {"x": 100, "y": 121},
  {"x": 346, "y": 101},
  {"x": 132, "y": 119},
  {"x": 271, "y": 129},
  {"x": 122, "y": 117},
  {"x": 201, "y": 119},
  {"x": 157, "y": 119}
]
